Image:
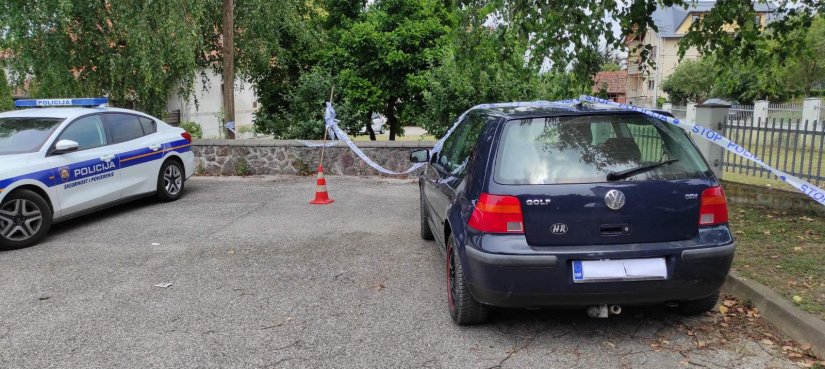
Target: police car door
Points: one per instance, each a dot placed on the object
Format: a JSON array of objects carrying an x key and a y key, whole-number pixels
[
  {"x": 139, "y": 151},
  {"x": 88, "y": 177}
]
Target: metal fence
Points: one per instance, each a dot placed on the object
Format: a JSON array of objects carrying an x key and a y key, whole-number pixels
[
  {"x": 791, "y": 145},
  {"x": 741, "y": 112},
  {"x": 786, "y": 110}
]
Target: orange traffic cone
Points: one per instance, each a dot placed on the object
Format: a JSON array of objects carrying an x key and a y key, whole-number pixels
[{"x": 321, "y": 195}]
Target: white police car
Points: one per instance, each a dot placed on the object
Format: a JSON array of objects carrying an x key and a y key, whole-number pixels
[{"x": 58, "y": 163}]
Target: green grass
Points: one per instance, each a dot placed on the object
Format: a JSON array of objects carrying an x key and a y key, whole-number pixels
[{"x": 784, "y": 251}]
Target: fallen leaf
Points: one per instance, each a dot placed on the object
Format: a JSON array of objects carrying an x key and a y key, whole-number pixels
[
  {"x": 690, "y": 333},
  {"x": 701, "y": 344},
  {"x": 797, "y": 299},
  {"x": 797, "y": 248},
  {"x": 723, "y": 309},
  {"x": 729, "y": 303},
  {"x": 805, "y": 347},
  {"x": 766, "y": 233},
  {"x": 767, "y": 342}
]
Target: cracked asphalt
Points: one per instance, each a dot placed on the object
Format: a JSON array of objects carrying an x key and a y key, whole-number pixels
[{"x": 261, "y": 279}]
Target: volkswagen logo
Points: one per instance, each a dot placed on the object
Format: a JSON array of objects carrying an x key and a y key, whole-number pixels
[{"x": 614, "y": 199}]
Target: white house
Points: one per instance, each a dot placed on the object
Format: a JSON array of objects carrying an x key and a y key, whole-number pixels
[{"x": 205, "y": 106}]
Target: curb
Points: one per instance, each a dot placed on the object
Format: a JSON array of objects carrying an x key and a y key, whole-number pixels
[{"x": 797, "y": 324}]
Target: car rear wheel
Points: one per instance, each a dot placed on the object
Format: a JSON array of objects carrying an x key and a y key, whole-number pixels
[
  {"x": 426, "y": 232},
  {"x": 25, "y": 218},
  {"x": 464, "y": 309},
  {"x": 700, "y": 306},
  {"x": 170, "y": 181}
]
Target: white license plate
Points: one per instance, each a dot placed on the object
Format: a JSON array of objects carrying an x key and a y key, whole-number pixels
[{"x": 619, "y": 270}]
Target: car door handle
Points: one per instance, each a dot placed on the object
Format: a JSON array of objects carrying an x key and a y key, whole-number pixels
[
  {"x": 107, "y": 158},
  {"x": 154, "y": 147}
]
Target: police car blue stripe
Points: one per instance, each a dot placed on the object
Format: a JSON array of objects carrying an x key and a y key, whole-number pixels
[{"x": 91, "y": 168}]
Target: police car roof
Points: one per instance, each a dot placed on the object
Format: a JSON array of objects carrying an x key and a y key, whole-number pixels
[{"x": 64, "y": 113}]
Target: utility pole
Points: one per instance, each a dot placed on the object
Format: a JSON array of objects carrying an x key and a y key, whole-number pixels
[{"x": 228, "y": 65}]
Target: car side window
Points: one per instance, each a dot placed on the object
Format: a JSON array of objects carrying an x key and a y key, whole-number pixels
[
  {"x": 465, "y": 144},
  {"x": 88, "y": 132},
  {"x": 149, "y": 125},
  {"x": 444, "y": 155},
  {"x": 124, "y": 127}
]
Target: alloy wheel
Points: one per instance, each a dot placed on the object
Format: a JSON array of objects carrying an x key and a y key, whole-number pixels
[
  {"x": 20, "y": 219},
  {"x": 172, "y": 180}
]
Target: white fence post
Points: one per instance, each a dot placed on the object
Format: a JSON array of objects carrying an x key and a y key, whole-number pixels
[
  {"x": 690, "y": 113},
  {"x": 760, "y": 111},
  {"x": 667, "y": 107},
  {"x": 712, "y": 116},
  {"x": 810, "y": 109}
]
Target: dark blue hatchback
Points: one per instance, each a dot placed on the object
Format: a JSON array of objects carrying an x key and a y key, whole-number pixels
[{"x": 574, "y": 206}]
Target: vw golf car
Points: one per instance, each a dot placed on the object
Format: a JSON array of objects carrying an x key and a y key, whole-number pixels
[
  {"x": 59, "y": 162},
  {"x": 573, "y": 206}
]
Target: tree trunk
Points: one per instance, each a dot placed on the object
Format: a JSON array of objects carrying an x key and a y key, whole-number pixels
[
  {"x": 392, "y": 117},
  {"x": 369, "y": 126},
  {"x": 229, "y": 66}
]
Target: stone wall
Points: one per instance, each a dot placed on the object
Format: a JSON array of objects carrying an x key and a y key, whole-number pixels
[
  {"x": 261, "y": 157},
  {"x": 745, "y": 194}
]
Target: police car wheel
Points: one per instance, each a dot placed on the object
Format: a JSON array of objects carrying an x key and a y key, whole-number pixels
[
  {"x": 170, "y": 181},
  {"x": 25, "y": 218}
]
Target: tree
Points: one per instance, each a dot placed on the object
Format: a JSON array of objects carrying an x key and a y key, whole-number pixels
[
  {"x": 806, "y": 68},
  {"x": 382, "y": 57},
  {"x": 6, "y": 102},
  {"x": 134, "y": 52},
  {"x": 692, "y": 80}
]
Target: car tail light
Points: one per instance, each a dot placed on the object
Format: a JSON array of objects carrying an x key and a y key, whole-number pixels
[
  {"x": 497, "y": 214},
  {"x": 186, "y": 136},
  {"x": 714, "y": 207}
]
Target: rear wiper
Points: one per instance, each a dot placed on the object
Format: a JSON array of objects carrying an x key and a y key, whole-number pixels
[{"x": 615, "y": 176}]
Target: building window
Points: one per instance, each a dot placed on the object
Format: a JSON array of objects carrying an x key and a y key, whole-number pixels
[
  {"x": 653, "y": 52},
  {"x": 757, "y": 20},
  {"x": 650, "y": 84},
  {"x": 694, "y": 19}
]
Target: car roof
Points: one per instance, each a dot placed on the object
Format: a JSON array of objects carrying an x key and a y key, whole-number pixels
[{"x": 63, "y": 113}]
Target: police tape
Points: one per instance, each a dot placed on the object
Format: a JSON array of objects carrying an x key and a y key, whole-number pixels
[
  {"x": 808, "y": 189},
  {"x": 519, "y": 104},
  {"x": 331, "y": 124},
  {"x": 313, "y": 144}
]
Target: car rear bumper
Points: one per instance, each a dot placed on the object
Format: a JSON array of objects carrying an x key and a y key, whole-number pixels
[{"x": 544, "y": 277}]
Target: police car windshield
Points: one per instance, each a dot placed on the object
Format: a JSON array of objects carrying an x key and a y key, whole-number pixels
[{"x": 21, "y": 135}]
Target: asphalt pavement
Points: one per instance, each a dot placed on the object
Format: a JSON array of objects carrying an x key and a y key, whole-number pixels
[{"x": 261, "y": 279}]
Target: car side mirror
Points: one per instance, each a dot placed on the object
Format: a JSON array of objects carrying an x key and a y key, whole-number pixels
[
  {"x": 420, "y": 156},
  {"x": 65, "y": 146}
]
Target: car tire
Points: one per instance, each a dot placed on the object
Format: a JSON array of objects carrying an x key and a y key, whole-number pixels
[
  {"x": 426, "y": 231},
  {"x": 25, "y": 218},
  {"x": 697, "y": 307},
  {"x": 171, "y": 180},
  {"x": 464, "y": 309}
]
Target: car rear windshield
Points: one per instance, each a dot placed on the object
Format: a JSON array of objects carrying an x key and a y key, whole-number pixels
[
  {"x": 586, "y": 149},
  {"x": 20, "y": 135}
]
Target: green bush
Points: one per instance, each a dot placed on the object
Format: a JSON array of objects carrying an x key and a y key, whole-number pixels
[
  {"x": 6, "y": 102},
  {"x": 193, "y": 128}
]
